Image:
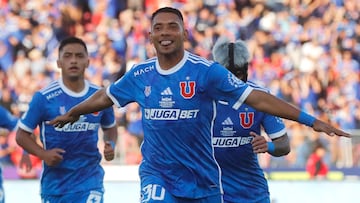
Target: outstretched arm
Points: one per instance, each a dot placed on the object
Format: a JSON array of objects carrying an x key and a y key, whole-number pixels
[
  {"x": 96, "y": 102},
  {"x": 268, "y": 103}
]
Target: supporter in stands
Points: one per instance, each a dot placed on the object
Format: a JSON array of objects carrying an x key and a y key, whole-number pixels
[{"x": 315, "y": 166}]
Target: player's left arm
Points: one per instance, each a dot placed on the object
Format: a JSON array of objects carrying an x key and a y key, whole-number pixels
[
  {"x": 277, "y": 147},
  {"x": 281, "y": 146},
  {"x": 270, "y": 104}
]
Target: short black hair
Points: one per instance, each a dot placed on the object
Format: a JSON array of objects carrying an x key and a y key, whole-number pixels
[
  {"x": 168, "y": 10},
  {"x": 72, "y": 40}
]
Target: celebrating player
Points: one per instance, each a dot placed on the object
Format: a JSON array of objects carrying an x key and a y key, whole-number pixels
[{"x": 177, "y": 92}]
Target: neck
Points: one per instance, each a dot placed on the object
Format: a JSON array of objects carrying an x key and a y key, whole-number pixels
[
  {"x": 75, "y": 85},
  {"x": 167, "y": 61}
]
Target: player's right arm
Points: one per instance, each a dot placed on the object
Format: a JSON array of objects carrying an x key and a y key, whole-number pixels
[{"x": 51, "y": 157}]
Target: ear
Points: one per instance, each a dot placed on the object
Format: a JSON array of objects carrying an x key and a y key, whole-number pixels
[
  {"x": 186, "y": 35},
  {"x": 150, "y": 38},
  {"x": 87, "y": 63},
  {"x": 58, "y": 64}
]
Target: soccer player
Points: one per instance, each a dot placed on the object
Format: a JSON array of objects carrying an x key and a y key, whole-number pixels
[
  {"x": 236, "y": 134},
  {"x": 177, "y": 92},
  {"x": 72, "y": 170},
  {"x": 8, "y": 122}
]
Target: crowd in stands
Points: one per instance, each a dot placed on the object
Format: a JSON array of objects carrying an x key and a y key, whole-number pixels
[{"x": 306, "y": 52}]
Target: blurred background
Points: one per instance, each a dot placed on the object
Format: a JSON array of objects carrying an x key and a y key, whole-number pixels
[{"x": 306, "y": 52}]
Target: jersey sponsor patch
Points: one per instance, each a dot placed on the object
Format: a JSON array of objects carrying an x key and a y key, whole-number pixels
[
  {"x": 231, "y": 141},
  {"x": 78, "y": 127},
  {"x": 170, "y": 114}
]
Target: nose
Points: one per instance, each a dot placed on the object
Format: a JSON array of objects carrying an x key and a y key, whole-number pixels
[{"x": 73, "y": 60}]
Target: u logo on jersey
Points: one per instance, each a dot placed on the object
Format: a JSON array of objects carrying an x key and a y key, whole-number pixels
[
  {"x": 246, "y": 119},
  {"x": 187, "y": 89}
]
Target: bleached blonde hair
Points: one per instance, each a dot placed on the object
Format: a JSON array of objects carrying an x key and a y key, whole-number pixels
[{"x": 220, "y": 52}]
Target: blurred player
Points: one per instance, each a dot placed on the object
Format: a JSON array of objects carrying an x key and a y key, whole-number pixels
[
  {"x": 8, "y": 122},
  {"x": 236, "y": 134},
  {"x": 72, "y": 170},
  {"x": 177, "y": 93}
]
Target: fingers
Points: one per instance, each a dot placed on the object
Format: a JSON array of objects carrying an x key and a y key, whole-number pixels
[
  {"x": 109, "y": 155},
  {"x": 56, "y": 123},
  {"x": 254, "y": 134},
  {"x": 61, "y": 121},
  {"x": 259, "y": 143},
  {"x": 340, "y": 133},
  {"x": 54, "y": 156},
  {"x": 260, "y": 149},
  {"x": 320, "y": 126},
  {"x": 59, "y": 151}
]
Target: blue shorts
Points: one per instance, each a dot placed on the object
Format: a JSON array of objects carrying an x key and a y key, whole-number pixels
[
  {"x": 93, "y": 196},
  {"x": 153, "y": 191}
]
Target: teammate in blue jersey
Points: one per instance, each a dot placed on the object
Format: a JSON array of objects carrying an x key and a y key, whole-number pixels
[
  {"x": 177, "y": 92},
  {"x": 8, "y": 122},
  {"x": 236, "y": 134},
  {"x": 72, "y": 170}
]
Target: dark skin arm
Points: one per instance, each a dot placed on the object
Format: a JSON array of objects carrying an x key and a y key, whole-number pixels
[
  {"x": 96, "y": 102},
  {"x": 270, "y": 104},
  {"x": 258, "y": 99},
  {"x": 282, "y": 145},
  {"x": 110, "y": 134}
]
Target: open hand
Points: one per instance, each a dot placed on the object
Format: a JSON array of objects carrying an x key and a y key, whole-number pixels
[{"x": 320, "y": 126}]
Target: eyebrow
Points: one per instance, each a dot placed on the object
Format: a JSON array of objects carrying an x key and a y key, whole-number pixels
[
  {"x": 167, "y": 23},
  {"x": 76, "y": 53}
]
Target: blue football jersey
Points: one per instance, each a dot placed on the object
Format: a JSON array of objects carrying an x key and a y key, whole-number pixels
[
  {"x": 80, "y": 169},
  {"x": 243, "y": 179},
  {"x": 7, "y": 121},
  {"x": 178, "y": 110}
]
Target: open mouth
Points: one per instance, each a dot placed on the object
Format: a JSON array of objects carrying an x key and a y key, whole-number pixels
[{"x": 166, "y": 42}]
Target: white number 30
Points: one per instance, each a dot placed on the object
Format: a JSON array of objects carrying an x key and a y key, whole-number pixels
[{"x": 154, "y": 192}]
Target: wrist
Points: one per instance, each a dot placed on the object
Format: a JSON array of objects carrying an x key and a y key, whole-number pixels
[
  {"x": 112, "y": 143},
  {"x": 306, "y": 119},
  {"x": 271, "y": 147}
]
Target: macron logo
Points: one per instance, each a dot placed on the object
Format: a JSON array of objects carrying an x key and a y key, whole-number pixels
[
  {"x": 167, "y": 91},
  {"x": 227, "y": 121}
]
